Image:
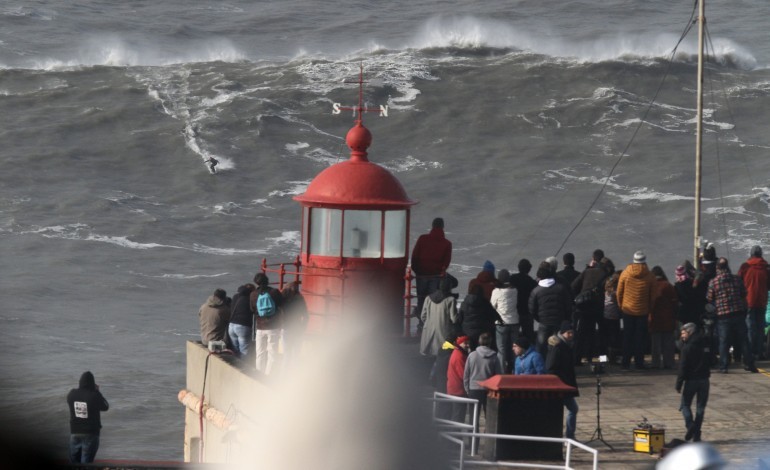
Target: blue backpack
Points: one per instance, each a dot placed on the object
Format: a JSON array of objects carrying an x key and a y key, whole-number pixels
[{"x": 265, "y": 305}]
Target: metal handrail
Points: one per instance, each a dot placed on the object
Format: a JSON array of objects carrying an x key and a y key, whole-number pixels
[
  {"x": 282, "y": 272},
  {"x": 453, "y": 437},
  {"x": 471, "y": 431}
]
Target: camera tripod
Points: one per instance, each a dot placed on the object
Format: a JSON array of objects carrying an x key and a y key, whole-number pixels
[{"x": 597, "y": 435}]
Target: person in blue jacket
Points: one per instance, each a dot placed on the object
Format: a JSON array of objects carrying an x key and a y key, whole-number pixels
[{"x": 528, "y": 360}]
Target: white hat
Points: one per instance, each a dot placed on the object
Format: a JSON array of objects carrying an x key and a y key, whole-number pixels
[{"x": 639, "y": 257}]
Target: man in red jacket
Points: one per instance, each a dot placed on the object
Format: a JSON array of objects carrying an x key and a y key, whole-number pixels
[
  {"x": 754, "y": 273},
  {"x": 430, "y": 259}
]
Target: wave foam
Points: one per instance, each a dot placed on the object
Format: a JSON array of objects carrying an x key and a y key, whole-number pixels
[{"x": 469, "y": 32}]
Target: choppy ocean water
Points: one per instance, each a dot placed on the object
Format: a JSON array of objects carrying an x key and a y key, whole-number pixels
[{"x": 505, "y": 118}]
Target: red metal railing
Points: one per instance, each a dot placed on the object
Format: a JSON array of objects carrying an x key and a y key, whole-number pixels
[{"x": 281, "y": 270}]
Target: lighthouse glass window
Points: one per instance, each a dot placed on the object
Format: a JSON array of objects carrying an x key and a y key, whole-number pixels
[
  {"x": 325, "y": 232},
  {"x": 395, "y": 234},
  {"x": 362, "y": 234}
]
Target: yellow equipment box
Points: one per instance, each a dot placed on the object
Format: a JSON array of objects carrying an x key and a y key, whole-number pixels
[{"x": 649, "y": 440}]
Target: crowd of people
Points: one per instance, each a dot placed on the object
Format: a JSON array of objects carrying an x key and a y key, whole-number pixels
[
  {"x": 713, "y": 317},
  {"x": 257, "y": 313}
]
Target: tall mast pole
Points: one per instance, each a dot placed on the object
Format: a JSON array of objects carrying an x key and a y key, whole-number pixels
[{"x": 698, "y": 131}]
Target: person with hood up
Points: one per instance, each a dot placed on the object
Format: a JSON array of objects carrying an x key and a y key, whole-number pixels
[
  {"x": 85, "y": 404},
  {"x": 482, "y": 364},
  {"x": 214, "y": 316},
  {"x": 560, "y": 362},
  {"x": 754, "y": 273},
  {"x": 528, "y": 360},
  {"x": 455, "y": 376},
  {"x": 694, "y": 373},
  {"x": 550, "y": 303},
  {"x": 431, "y": 256},
  {"x": 635, "y": 291},
  {"x": 439, "y": 313}
]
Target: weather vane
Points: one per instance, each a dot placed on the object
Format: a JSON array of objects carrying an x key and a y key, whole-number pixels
[{"x": 360, "y": 109}]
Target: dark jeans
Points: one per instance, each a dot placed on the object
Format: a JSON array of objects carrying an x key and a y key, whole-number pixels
[
  {"x": 83, "y": 447},
  {"x": 634, "y": 339},
  {"x": 543, "y": 333},
  {"x": 732, "y": 331},
  {"x": 699, "y": 387},
  {"x": 755, "y": 322},
  {"x": 609, "y": 337},
  {"x": 506, "y": 335},
  {"x": 425, "y": 286},
  {"x": 585, "y": 334}
]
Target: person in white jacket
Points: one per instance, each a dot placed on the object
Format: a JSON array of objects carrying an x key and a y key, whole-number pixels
[{"x": 504, "y": 300}]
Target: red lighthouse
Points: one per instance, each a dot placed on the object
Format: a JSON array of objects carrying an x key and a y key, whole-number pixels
[{"x": 355, "y": 233}]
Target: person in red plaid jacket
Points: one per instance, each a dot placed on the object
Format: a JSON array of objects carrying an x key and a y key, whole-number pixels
[{"x": 728, "y": 294}]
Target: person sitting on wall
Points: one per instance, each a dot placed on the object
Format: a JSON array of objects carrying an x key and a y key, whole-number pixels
[{"x": 214, "y": 316}]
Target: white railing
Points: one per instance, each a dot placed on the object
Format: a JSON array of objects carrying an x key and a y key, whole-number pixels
[
  {"x": 464, "y": 431},
  {"x": 464, "y": 427}
]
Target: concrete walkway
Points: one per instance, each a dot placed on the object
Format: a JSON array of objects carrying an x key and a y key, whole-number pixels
[{"x": 737, "y": 421}]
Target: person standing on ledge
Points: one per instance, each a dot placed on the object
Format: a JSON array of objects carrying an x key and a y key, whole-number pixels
[
  {"x": 86, "y": 404},
  {"x": 430, "y": 259}
]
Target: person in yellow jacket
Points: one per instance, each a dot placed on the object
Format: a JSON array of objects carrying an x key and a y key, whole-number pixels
[{"x": 635, "y": 291}]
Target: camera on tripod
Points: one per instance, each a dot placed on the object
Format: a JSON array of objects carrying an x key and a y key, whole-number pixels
[{"x": 599, "y": 368}]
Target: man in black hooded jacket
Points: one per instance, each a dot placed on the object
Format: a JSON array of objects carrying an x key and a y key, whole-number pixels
[
  {"x": 694, "y": 373},
  {"x": 86, "y": 404}
]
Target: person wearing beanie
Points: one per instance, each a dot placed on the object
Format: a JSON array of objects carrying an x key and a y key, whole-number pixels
[
  {"x": 728, "y": 294},
  {"x": 504, "y": 299},
  {"x": 85, "y": 404},
  {"x": 560, "y": 362},
  {"x": 635, "y": 291},
  {"x": 528, "y": 360},
  {"x": 486, "y": 279},
  {"x": 431, "y": 256},
  {"x": 691, "y": 303},
  {"x": 693, "y": 379},
  {"x": 755, "y": 273}
]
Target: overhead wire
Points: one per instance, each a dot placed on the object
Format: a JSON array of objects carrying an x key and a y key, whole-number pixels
[
  {"x": 636, "y": 131},
  {"x": 723, "y": 215}
]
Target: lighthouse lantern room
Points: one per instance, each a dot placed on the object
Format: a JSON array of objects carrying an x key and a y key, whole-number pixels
[{"x": 355, "y": 234}]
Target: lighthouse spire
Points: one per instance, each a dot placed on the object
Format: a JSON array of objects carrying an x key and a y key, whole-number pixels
[{"x": 359, "y": 138}]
